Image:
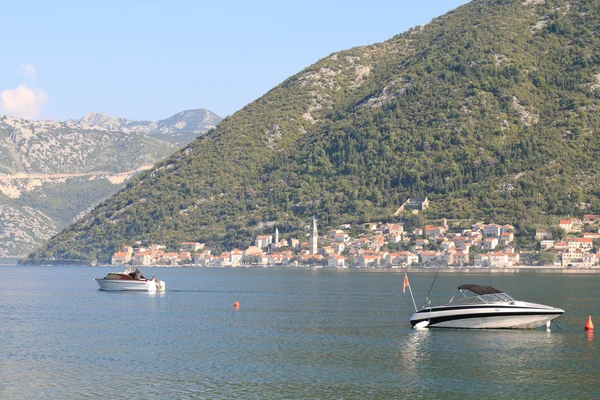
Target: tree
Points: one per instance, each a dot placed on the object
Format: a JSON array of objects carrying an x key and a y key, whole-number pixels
[
  {"x": 558, "y": 233},
  {"x": 545, "y": 258},
  {"x": 416, "y": 220}
]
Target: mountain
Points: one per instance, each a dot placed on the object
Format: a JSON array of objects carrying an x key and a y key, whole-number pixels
[
  {"x": 492, "y": 111},
  {"x": 181, "y": 128},
  {"x": 43, "y": 163}
]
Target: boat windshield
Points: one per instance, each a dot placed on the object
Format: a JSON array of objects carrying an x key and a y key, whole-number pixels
[{"x": 484, "y": 299}]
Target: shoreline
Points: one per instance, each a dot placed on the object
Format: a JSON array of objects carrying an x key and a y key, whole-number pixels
[{"x": 462, "y": 270}]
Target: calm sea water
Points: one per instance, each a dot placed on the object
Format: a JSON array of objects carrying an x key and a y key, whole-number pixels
[{"x": 299, "y": 333}]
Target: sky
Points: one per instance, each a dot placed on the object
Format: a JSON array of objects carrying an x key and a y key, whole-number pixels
[{"x": 148, "y": 60}]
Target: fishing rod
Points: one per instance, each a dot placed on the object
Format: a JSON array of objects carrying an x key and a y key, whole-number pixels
[{"x": 432, "y": 283}]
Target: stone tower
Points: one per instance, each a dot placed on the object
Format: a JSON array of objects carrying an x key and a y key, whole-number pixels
[
  {"x": 276, "y": 235},
  {"x": 314, "y": 238},
  {"x": 445, "y": 223}
]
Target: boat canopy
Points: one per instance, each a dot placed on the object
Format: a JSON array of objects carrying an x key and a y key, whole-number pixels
[{"x": 478, "y": 289}]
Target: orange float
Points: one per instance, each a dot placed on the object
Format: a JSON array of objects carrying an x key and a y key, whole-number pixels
[{"x": 589, "y": 325}]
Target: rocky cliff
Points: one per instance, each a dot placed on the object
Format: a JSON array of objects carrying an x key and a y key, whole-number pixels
[{"x": 51, "y": 171}]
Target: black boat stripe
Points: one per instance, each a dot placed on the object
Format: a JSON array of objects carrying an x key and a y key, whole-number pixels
[
  {"x": 437, "y": 320},
  {"x": 442, "y": 308}
]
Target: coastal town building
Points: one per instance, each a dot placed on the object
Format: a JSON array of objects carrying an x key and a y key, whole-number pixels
[
  {"x": 236, "y": 257},
  {"x": 492, "y": 230},
  {"x": 402, "y": 258},
  {"x": 583, "y": 244},
  {"x": 570, "y": 225},
  {"x": 191, "y": 246},
  {"x": 341, "y": 237},
  {"x": 121, "y": 258},
  {"x": 430, "y": 257},
  {"x": 506, "y": 238},
  {"x": 561, "y": 246},
  {"x": 263, "y": 241},
  {"x": 366, "y": 261},
  {"x": 143, "y": 258},
  {"x": 543, "y": 234},
  {"x": 461, "y": 259},
  {"x": 336, "y": 261},
  {"x": 413, "y": 204},
  {"x": 490, "y": 243},
  {"x": 385, "y": 245},
  {"x": 395, "y": 230}
]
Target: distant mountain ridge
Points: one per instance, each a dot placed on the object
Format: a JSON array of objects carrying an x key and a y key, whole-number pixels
[
  {"x": 181, "y": 127},
  {"x": 51, "y": 171}
]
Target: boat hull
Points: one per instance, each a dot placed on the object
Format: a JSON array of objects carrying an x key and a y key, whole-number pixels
[
  {"x": 486, "y": 317},
  {"x": 131, "y": 285}
]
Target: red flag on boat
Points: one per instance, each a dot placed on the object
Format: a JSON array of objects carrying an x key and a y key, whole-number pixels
[{"x": 405, "y": 284}]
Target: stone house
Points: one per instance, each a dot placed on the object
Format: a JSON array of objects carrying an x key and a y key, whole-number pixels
[
  {"x": 543, "y": 234},
  {"x": 143, "y": 258},
  {"x": 191, "y": 246},
  {"x": 336, "y": 261},
  {"x": 461, "y": 258},
  {"x": 546, "y": 244},
  {"x": 120, "y": 257},
  {"x": 490, "y": 243},
  {"x": 263, "y": 241}
]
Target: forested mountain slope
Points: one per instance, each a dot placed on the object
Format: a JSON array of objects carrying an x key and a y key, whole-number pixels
[{"x": 492, "y": 111}]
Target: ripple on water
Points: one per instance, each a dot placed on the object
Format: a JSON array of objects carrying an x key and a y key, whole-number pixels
[{"x": 298, "y": 334}]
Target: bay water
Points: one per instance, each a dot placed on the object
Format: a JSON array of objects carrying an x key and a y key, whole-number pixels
[{"x": 299, "y": 333}]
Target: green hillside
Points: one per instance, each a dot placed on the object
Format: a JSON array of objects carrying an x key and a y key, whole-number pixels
[{"x": 492, "y": 111}]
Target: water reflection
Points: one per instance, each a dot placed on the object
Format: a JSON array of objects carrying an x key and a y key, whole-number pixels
[{"x": 414, "y": 351}]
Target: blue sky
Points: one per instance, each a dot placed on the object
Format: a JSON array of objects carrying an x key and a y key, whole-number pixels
[{"x": 149, "y": 59}]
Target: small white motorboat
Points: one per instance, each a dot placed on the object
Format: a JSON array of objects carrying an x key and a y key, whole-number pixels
[
  {"x": 129, "y": 280},
  {"x": 486, "y": 308}
]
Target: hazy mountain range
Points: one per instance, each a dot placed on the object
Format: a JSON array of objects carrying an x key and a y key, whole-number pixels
[
  {"x": 181, "y": 128},
  {"x": 52, "y": 171}
]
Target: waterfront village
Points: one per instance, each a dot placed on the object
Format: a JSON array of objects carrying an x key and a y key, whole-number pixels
[{"x": 484, "y": 245}]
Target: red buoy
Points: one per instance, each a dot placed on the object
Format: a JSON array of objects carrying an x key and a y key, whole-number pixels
[
  {"x": 236, "y": 305},
  {"x": 589, "y": 325}
]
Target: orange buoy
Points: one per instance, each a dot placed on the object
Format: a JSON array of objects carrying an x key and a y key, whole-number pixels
[
  {"x": 236, "y": 305},
  {"x": 589, "y": 325}
]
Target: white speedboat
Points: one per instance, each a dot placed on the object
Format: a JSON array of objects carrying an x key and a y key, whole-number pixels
[
  {"x": 129, "y": 280},
  {"x": 484, "y": 307}
]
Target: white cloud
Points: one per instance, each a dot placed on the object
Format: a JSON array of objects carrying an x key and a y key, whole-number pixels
[
  {"x": 22, "y": 101},
  {"x": 28, "y": 71}
]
